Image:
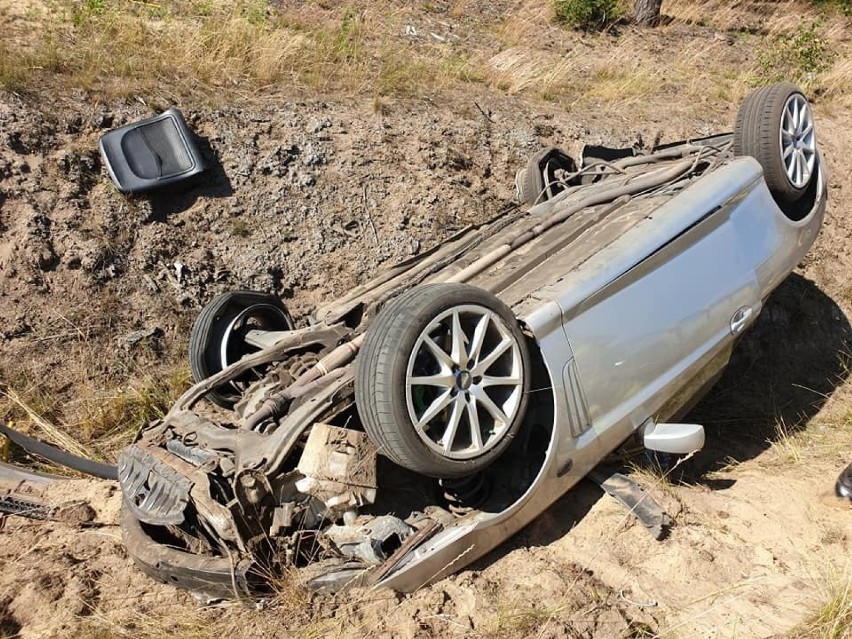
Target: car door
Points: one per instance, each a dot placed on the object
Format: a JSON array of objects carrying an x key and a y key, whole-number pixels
[{"x": 662, "y": 303}]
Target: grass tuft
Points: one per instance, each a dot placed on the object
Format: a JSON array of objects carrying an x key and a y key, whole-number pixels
[
  {"x": 517, "y": 70},
  {"x": 112, "y": 417},
  {"x": 833, "y": 617},
  {"x": 801, "y": 57},
  {"x": 55, "y": 435},
  {"x": 786, "y": 442},
  {"x": 101, "y": 420}
]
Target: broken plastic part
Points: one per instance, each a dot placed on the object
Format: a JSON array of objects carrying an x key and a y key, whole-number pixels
[
  {"x": 282, "y": 518},
  {"x": 372, "y": 542},
  {"x": 216, "y": 577},
  {"x": 30, "y": 494},
  {"x": 678, "y": 439},
  {"x": 57, "y": 455},
  {"x": 154, "y": 492},
  {"x": 339, "y": 466},
  {"x": 633, "y": 497}
]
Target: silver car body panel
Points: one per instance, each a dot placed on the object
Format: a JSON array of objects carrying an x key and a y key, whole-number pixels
[{"x": 683, "y": 276}]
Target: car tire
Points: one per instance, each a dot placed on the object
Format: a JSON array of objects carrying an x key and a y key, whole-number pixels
[
  {"x": 214, "y": 341},
  {"x": 422, "y": 374},
  {"x": 843, "y": 487},
  {"x": 775, "y": 126},
  {"x": 536, "y": 182}
]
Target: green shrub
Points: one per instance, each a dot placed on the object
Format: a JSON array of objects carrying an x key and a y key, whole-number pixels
[
  {"x": 587, "y": 14},
  {"x": 798, "y": 57}
]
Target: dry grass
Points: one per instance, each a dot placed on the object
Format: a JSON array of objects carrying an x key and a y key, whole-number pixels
[
  {"x": 770, "y": 18},
  {"x": 387, "y": 49},
  {"x": 793, "y": 40},
  {"x": 799, "y": 440},
  {"x": 515, "y": 619},
  {"x": 286, "y": 612},
  {"x": 130, "y": 48},
  {"x": 832, "y": 619},
  {"x": 660, "y": 479},
  {"x": 127, "y": 47},
  {"x": 112, "y": 416},
  {"x": 787, "y": 443},
  {"x": 838, "y": 79},
  {"x": 730, "y": 49},
  {"x": 530, "y": 21},
  {"x": 820, "y": 438},
  {"x": 56, "y": 435},
  {"x": 189, "y": 624},
  {"x": 111, "y": 401},
  {"x": 624, "y": 79},
  {"x": 517, "y": 70}
]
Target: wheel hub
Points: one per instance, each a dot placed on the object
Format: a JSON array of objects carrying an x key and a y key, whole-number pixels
[{"x": 464, "y": 380}]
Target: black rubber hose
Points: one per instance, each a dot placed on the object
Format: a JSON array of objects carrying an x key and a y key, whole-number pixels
[{"x": 59, "y": 456}]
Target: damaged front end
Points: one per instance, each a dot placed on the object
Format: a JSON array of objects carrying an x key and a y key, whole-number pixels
[
  {"x": 218, "y": 502},
  {"x": 276, "y": 471}
]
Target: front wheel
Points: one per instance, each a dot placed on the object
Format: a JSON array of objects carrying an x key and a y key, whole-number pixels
[
  {"x": 442, "y": 379},
  {"x": 216, "y": 339}
]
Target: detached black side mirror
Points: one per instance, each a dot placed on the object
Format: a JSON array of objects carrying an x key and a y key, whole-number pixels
[{"x": 151, "y": 154}]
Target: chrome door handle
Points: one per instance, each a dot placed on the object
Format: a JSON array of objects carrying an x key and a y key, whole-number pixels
[{"x": 741, "y": 319}]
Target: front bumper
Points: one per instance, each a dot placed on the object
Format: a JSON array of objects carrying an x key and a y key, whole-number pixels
[{"x": 213, "y": 577}]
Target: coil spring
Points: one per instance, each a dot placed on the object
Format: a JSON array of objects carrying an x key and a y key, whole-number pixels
[{"x": 465, "y": 494}]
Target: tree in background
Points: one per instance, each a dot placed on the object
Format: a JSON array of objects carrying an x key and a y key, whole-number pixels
[
  {"x": 647, "y": 12},
  {"x": 592, "y": 15}
]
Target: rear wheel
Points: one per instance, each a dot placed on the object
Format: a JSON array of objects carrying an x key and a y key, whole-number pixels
[
  {"x": 539, "y": 180},
  {"x": 217, "y": 337},
  {"x": 843, "y": 487},
  {"x": 442, "y": 378},
  {"x": 775, "y": 125}
]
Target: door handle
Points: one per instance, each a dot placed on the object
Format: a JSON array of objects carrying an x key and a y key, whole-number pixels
[{"x": 741, "y": 319}]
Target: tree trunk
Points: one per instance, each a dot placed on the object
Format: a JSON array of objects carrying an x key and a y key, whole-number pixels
[{"x": 647, "y": 12}]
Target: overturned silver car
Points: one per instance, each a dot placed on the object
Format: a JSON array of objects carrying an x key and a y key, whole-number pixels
[{"x": 412, "y": 426}]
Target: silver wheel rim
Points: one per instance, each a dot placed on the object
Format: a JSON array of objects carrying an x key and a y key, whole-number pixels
[
  {"x": 264, "y": 315},
  {"x": 798, "y": 140},
  {"x": 464, "y": 382}
]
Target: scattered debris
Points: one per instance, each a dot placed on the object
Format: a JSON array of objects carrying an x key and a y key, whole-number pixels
[
  {"x": 633, "y": 497},
  {"x": 136, "y": 337}
]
